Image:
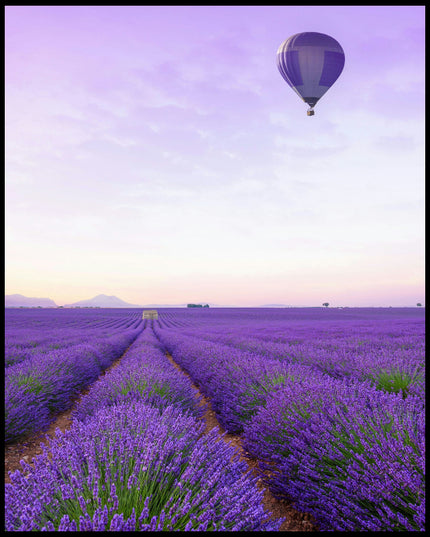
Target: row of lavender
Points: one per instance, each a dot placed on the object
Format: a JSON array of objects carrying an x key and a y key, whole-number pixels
[
  {"x": 61, "y": 353},
  {"x": 388, "y": 350},
  {"x": 135, "y": 459},
  {"x": 31, "y": 332},
  {"x": 333, "y": 407}
]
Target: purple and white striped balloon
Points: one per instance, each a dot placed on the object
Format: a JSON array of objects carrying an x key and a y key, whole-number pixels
[{"x": 310, "y": 63}]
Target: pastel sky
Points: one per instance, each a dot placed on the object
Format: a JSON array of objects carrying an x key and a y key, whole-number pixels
[{"x": 155, "y": 153}]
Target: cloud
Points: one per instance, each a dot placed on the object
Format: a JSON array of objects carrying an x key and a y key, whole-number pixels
[{"x": 396, "y": 143}]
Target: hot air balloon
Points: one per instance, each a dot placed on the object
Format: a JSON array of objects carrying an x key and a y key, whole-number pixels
[{"x": 310, "y": 63}]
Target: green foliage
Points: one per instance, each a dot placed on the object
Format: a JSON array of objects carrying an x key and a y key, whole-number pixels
[
  {"x": 144, "y": 386},
  {"x": 122, "y": 482},
  {"x": 31, "y": 383},
  {"x": 256, "y": 394},
  {"x": 290, "y": 423},
  {"x": 396, "y": 380},
  {"x": 13, "y": 359},
  {"x": 350, "y": 444}
]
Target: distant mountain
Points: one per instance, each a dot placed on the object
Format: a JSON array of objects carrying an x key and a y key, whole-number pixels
[
  {"x": 102, "y": 301},
  {"x": 18, "y": 301}
]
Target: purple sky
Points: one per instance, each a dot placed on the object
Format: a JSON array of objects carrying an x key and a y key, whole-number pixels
[{"x": 155, "y": 153}]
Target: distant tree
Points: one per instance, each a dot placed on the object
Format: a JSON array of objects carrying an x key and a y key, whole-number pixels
[
  {"x": 325, "y": 304},
  {"x": 419, "y": 304}
]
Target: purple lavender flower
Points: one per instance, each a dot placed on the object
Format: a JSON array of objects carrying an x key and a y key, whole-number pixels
[{"x": 152, "y": 453}]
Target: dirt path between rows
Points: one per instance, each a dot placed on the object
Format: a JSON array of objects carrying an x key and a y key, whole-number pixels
[
  {"x": 294, "y": 520},
  {"x": 29, "y": 447}
]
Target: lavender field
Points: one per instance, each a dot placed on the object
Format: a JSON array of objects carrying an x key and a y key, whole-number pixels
[{"x": 330, "y": 402}]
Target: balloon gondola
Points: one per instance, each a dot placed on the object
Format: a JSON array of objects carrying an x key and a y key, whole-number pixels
[{"x": 310, "y": 63}]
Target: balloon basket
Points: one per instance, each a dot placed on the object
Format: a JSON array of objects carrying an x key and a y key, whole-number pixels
[{"x": 310, "y": 113}]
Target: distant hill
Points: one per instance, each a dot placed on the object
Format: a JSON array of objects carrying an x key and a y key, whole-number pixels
[
  {"x": 18, "y": 301},
  {"x": 102, "y": 301}
]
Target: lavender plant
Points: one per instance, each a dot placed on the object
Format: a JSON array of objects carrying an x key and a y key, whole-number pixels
[
  {"x": 351, "y": 455},
  {"x": 129, "y": 468},
  {"x": 145, "y": 374},
  {"x": 51, "y": 379},
  {"x": 397, "y": 380}
]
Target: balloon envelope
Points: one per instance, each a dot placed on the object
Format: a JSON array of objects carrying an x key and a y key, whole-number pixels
[{"x": 310, "y": 63}]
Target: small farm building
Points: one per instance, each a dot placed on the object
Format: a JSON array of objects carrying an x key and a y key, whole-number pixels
[{"x": 150, "y": 314}]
